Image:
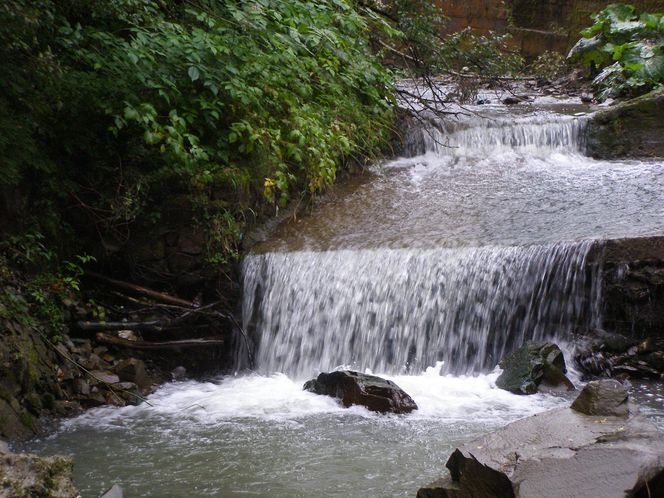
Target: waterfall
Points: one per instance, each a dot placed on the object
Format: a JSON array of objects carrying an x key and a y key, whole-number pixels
[
  {"x": 422, "y": 290},
  {"x": 476, "y": 134},
  {"x": 401, "y": 310}
]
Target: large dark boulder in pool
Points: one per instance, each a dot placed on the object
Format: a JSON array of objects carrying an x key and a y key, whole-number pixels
[
  {"x": 536, "y": 366},
  {"x": 355, "y": 388},
  {"x": 559, "y": 453}
]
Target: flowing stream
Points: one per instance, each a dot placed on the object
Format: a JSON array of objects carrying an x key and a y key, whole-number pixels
[{"x": 425, "y": 270}]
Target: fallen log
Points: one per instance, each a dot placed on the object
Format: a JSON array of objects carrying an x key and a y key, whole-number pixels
[
  {"x": 187, "y": 343},
  {"x": 143, "y": 291},
  {"x": 153, "y": 326}
]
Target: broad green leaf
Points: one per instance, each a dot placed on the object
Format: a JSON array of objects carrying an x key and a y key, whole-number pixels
[{"x": 193, "y": 72}]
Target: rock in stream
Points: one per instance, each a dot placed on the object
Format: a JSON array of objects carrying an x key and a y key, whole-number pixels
[
  {"x": 355, "y": 388},
  {"x": 532, "y": 368}
]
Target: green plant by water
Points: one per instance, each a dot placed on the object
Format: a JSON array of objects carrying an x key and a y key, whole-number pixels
[{"x": 624, "y": 49}]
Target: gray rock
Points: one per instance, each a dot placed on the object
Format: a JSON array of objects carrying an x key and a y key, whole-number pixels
[
  {"x": 25, "y": 475},
  {"x": 66, "y": 408},
  {"x": 603, "y": 397},
  {"x": 512, "y": 100},
  {"x": 81, "y": 386},
  {"x": 560, "y": 453},
  {"x": 133, "y": 370},
  {"x": 91, "y": 362},
  {"x": 115, "y": 492},
  {"x": 179, "y": 373},
  {"x": 105, "y": 377},
  {"x": 621, "y": 357},
  {"x": 100, "y": 350},
  {"x": 534, "y": 367},
  {"x": 33, "y": 402},
  {"x": 633, "y": 128},
  {"x": 354, "y": 388}
]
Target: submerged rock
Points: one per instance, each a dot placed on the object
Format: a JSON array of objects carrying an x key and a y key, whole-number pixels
[
  {"x": 560, "y": 453},
  {"x": 24, "y": 475},
  {"x": 535, "y": 366},
  {"x": 354, "y": 388},
  {"x": 514, "y": 99},
  {"x": 603, "y": 397}
]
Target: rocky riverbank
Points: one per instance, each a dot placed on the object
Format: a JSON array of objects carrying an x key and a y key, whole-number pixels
[
  {"x": 42, "y": 381},
  {"x": 599, "y": 446},
  {"x": 25, "y": 475}
]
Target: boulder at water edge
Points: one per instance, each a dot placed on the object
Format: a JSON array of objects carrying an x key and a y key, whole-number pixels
[
  {"x": 354, "y": 388},
  {"x": 560, "y": 453},
  {"x": 24, "y": 475},
  {"x": 603, "y": 397},
  {"x": 535, "y": 366}
]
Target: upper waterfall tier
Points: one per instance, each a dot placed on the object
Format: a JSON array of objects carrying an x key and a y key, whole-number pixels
[{"x": 540, "y": 132}]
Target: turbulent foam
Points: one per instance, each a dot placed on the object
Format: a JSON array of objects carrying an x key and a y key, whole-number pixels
[
  {"x": 402, "y": 310},
  {"x": 279, "y": 399}
]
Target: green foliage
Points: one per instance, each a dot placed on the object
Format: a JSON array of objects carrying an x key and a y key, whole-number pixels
[
  {"x": 409, "y": 35},
  {"x": 549, "y": 65},
  {"x": 628, "y": 48},
  {"x": 110, "y": 108},
  {"x": 415, "y": 25},
  {"x": 44, "y": 288},
  {"x": 487, "y": 55}
]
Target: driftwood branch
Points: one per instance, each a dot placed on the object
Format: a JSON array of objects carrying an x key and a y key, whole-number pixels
[
  {"x": 142, "y": 291},
  {"x": 154, "y": 326},
  {"x": 489, "y": 78},
  {"x": 187, "y": 343}
]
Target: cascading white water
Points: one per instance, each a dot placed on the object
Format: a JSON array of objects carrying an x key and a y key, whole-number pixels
[
  {"x": 540, "y": 132},
  {"x": 395, "y": 311}
]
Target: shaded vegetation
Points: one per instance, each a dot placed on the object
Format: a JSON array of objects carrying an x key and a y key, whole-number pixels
[{"x": 110, "y": 110}]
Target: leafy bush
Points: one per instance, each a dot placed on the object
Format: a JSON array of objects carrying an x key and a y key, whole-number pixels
[
  {"x": 626, "y": 49},
  {"x": 549, "y": 65},
  {"x": 488, "y": 55},
  {"x": 35, "y": 287},
  {"x": 112, "y": 110}
]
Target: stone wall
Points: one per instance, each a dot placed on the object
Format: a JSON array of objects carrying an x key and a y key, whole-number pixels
[
  {"x": 536, "y": 25},
  {"x": 632, "y": 286}
]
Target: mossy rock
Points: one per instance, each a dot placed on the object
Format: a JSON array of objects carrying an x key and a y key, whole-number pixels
[
  {"x": 532, "y": 367},
  {"x": 633, "y": 128},
  {"x": 25, "y": 475}
]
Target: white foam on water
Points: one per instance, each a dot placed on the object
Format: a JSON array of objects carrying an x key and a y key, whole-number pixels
[{"x": 279, "y": 399}]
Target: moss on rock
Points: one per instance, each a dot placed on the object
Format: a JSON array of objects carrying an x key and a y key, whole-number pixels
[
  {"x": 633, "y": 128},
  {"x": 26, "y": 475}
]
